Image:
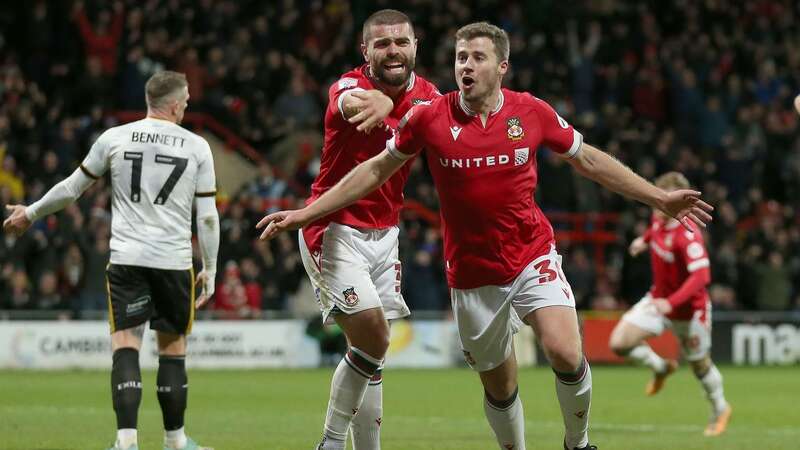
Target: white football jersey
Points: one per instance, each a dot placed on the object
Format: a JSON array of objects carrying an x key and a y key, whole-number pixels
[{"x": 157, "y": 169}]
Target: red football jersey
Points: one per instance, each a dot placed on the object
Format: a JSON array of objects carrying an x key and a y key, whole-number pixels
[
  {"x": 344, "y": 148},
  {"x": 486, "y": 178},
  {"x": 675, "y": 255}
]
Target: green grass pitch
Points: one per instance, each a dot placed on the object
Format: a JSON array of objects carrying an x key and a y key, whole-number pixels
[{"x": 423, "y": 409}]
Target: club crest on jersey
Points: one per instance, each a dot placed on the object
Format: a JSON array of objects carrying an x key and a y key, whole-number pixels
[
  {"x": 350, "y": 296},
  {"x": 515, "y": 131}
]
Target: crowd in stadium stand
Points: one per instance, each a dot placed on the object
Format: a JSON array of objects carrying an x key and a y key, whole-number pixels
[{"x": 701, "y": 87}]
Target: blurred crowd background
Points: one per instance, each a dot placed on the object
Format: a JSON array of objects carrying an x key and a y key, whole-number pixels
[{"x": 701, "y": 87}]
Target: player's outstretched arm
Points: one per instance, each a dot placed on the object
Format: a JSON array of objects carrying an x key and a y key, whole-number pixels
[
  {"x": 208, "y": 240},
  {"x": 56, "y": 199},
  {"x": 366, "y": 108},
  {"x": 363, "y": 179},
  {"x": 683, "y": 204}
]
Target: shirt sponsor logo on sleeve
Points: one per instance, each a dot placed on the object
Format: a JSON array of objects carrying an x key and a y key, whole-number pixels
[
  {"x": 515, "y": 131},
  {"x": 346, "y": 83},
  {"x": 695, "y": 250}
]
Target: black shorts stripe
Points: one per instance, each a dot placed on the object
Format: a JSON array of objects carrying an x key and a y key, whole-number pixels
[
  {"x": 88, "y": 174},
  {"x": 205, "y": 194}
]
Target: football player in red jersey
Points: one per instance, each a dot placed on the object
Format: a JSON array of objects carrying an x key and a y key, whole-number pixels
[
  {"x": 351, "y": 255},
  {"x": 677, "y": 299},
  {"x": 500, "y": 255}
]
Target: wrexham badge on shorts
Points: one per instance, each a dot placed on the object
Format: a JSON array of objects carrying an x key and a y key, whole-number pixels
[
  {"x": 350, "y": 296},
  {"x": 515, "y": 131}
]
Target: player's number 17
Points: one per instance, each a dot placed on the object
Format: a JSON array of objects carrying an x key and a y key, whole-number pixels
[{"x": 136, "y": 175}]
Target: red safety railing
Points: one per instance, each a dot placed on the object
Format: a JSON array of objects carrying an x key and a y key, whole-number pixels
[
  {"x": 202, "y": 121},
  {"x": 595, "y": 229},
  {"x": 233, "y": 142}
]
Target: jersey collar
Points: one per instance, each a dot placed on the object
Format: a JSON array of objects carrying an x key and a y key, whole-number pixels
[
  {"x": 468, "y": 111},
  {"x": 158, "y": 119},
  {"x": 411, "y": 81}
]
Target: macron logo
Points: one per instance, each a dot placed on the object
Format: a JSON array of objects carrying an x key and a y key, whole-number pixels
[{"x": 455, "y": 131}]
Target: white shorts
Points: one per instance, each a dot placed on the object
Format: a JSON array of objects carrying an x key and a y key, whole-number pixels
[
  {"x": 487, "y": 317},
  {"x": 694, "y": 334},
  {"x": 356, "y": 270}
]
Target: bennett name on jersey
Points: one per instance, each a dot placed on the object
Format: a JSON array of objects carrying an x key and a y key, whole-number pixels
[{"x": 155, "y": 138}]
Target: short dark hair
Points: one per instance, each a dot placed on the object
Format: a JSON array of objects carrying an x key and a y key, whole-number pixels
[
  {"x": 484, "y": 29},
  {"x": 163, "y": 84},
  {"x": 385, "y": 17}
]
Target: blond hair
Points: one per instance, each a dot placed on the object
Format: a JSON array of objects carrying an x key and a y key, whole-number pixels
[{"x": 672, "y": 181}]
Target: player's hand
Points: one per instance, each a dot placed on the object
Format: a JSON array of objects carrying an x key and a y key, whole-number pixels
[
  {"x": 638, "y": 246},
  {"x": 281, "y": 221},
  {"x": 372, "y": 106},
  {"x": 662, "y": 306},
  {"x": 17, "y": 222},
  {"x": 206, "y": 281},
  {"x": 685, "y": 205}
]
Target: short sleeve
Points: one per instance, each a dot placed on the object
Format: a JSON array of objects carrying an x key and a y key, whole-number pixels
[
  {"x": 406, "y": 141},
  {"x": 339, "y": 90},
  {"x": 558, "y": 135},
  {"x": 206, "y": 178},
  {"x": 693, "y": 250},
  {"x": 95, "y": 164}
]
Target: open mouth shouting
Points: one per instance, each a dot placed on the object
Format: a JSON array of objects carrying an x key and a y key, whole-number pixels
[
  {"x": 394, "y": 68},
  {"x": 467, "y": 81}
]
